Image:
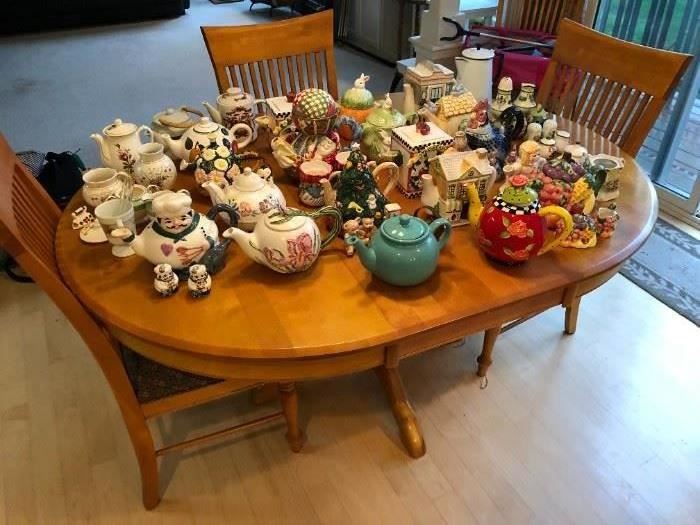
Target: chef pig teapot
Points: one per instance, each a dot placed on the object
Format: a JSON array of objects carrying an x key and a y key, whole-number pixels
[
  {"x": 179, "y": 235},
  {"x": 512, "y": 227}
]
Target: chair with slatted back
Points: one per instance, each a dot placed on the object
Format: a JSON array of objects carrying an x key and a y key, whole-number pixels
[
  {"x": 143, "y": 388},
  {"x": 543, "y": 15},
  {"x": 271, "y": 60},
  {"x": 610, "y": 86}
]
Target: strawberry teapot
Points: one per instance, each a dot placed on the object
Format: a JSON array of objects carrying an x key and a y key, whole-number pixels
[{"x": 512, "y": 227}]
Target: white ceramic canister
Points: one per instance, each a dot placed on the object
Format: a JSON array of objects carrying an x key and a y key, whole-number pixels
[
  {"x": 475, "y": 72},
  {"x": 154, "y": 167}
]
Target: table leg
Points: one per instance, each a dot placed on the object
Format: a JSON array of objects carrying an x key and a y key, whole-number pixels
[
  {"x": 571, "y": 316},
  {"x": 264, "y": 394},
  {"x": 290, "y": 407},
  {"x": 410, "y": 432},
  {"x": 484, "y": 359}
]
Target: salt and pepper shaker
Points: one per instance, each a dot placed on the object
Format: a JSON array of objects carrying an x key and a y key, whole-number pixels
[
  {"x": 166, "y": 280},
  {"x": 199, "y": 282}
]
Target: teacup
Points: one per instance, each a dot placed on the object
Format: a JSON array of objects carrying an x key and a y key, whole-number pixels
[
  {"x": 310, "y": 174},
  {"x": 341, "y": 158},
  {"x": 101, "y": 184},
  {"x": 113, "y": 214}
]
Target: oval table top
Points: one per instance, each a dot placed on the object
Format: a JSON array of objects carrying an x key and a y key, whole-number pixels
[{"x": 336, "y": 306}]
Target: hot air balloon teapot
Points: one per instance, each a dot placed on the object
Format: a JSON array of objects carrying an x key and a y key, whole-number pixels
[{"x": 511, "y": 228}]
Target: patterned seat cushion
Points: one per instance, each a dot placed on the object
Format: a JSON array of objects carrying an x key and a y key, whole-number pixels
[{"x": 152, "y": 381}]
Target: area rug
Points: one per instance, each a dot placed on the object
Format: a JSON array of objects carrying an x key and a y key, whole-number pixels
[{"x": 668, "y": 267}]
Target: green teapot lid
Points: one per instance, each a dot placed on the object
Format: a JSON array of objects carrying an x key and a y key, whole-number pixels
[
  {"x": 404, "y": 228},
  {"x": 385, "y": 116},
  {"x": 518, "y": 193}
]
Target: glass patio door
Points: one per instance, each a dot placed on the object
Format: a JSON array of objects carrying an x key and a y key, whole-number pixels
[{"x": 671, "y": 152}]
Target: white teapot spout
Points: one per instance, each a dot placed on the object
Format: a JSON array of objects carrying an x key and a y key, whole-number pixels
[
  {"x": 246, "y": 241},
  {"x": 216, "y": 194},
  {"x": 214, "y": 113},
  {"x": 102, "y": 145}
]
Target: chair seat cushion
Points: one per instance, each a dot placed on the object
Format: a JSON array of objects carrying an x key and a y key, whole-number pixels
[{"x": 152, "y": 381}]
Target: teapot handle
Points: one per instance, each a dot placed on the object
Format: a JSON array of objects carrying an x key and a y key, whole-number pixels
[
  {"x": 446, "y": 231},
  {"x": 225, "y": 208},
  {"x": 147, "y": 130},
  {"x": 393, "y": 178},
  {"x": 568, "y": 226},
  {"x": 336, "y": 226},
  {"x": 247, "y": 139}
]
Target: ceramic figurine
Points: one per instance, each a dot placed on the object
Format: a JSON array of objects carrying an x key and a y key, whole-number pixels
[
  {"x": 547, "y": 147},
  {"x": 610, "y": 189},
  {"x": 179, "y": 235},
  {"x": 534, "y": 132},
  {"x": 174, "y": 122},
  {"x": 549, "y": 127},
  {"x": 348, "y": 128},
  {"x": 411, "y": 143},
  {"x": 460, "y": 142},
  {"x": 101, "y": 184},
  {"x": 538, "y": 115},
  {"x": 235, "y": 107},
  {"x": 350, "y": 190},
  {"x": 357, "y": 101},
  {"x": 511, "y": 228},
  {"x": 578, "y": 153},
  {"x": 430, "y": 81},
  {"x": 350, "y": 228},
  {"x": 166, "y": 280},
  {"x": 311, "y": 173},
  {"x": 404, "y": 251},
  {"x": 430, "y": 195},
  {"x": 503, "y": 98},
  {"x": 204, "y": 134},
  {"x": 199, "y": 281},
  {"x": 528, "y": 150},
  {"x": 289, "y": 241},
  {"x": 525, "y": 101},
  {"x": 383, "y": 118},
  {"x": 607, "y": 221},
  {"x": 314, "y": 112},
  {"x": 119, "y": 144},
  {"x": 154, "y": 167},
  {"x": 583, "y": 234},
  {"x": 451, "y": 172},
  {"x": 81, "y": 218},
  {"x": 452, "y": 110},
  {"x": 90, "y": 230},
  {"x": 475, "y": 71},
  {"x": 252, "y": 194}
]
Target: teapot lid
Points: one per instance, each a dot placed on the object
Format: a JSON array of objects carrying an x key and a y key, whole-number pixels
[
  {"x": 476, "y": 53},
  {"x": 171, "y": 204},
  {"x": 205, "y": 125},
  {"x": 234, "y": 94},
  {"x": 119, "y": 128},
  {"x": 385, "y": 116},
  {"x": 248, "y": 180},
  {"x": 518, "y": 193},
  {"x": 174, "y": 117},
  {"x": 404, "y": 229}
]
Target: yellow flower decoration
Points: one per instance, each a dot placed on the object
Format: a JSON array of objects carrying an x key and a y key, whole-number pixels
[
  {"x": 221, "y": 164},
  {"x": 208, "y": 154},
  {"x": 223, "y": 151}
]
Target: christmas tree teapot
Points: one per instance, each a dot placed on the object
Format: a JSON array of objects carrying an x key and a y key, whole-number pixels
[
  {"x": 355, "y": 191},
  {"x": 512, "y": 227}
]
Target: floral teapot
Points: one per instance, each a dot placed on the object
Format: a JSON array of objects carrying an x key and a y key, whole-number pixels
[
  {"x": 251, "y": 193},
  {"x": 119, "y": 144},
  {"x": 356, "y": 192},
  {"x": 234, "y": 106},
  {"x": 512, "y": 227},
  {"x": 178, "y": 235},
  {"x": 204, "y": 134},
  {"x": 289, "y": 241}
]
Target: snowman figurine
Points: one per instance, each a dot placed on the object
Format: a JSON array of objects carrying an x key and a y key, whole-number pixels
[
  {"x": 199, "y": 282},
  {"x": 166, "y": 280}
]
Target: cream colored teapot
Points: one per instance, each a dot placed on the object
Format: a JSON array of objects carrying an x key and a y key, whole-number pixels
[
  {"x": 119, "y": 144},
  {"x": 235, "y": 106}
]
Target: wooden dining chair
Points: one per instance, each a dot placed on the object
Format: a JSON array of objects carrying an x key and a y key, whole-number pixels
[
  {"x": 610, "y": 86},
  {"x": 271, "y": 60},
  {"x": 543, "y": 15},
  {"x": 143, "y": 388}
]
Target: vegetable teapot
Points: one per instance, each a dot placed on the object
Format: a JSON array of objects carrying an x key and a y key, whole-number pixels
[
  {"x": 289, "y": 241},
  {"x": 251, "y": 193},
  {"x": 511, "y": 228},
  {"x": 178, "y": 235},
  {"x": 404, "y": 251}
]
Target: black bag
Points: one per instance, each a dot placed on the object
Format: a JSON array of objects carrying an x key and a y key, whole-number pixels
[{"x": 61, "y": 176}]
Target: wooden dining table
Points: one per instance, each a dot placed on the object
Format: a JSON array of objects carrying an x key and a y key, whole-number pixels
[{"x": 336, "y": 318}]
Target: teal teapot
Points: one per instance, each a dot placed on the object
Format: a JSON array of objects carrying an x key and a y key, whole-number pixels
[{"x": 404, "y": 251}]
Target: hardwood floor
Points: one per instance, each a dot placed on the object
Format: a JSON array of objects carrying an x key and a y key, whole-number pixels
[{"x": 600, "y": 427}]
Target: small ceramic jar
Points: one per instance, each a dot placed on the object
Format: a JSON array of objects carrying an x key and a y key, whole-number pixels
[
  {"x": 311, "y": 173},
  {"x": 562, "y": 139},
  {"x": 154, "y": 167}
]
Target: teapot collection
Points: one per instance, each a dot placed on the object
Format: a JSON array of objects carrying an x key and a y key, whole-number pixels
[{"x": 542, "y": 191}]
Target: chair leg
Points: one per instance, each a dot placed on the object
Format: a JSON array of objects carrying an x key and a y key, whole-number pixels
[
  {"x": 571, "y": 316},
  {"x": 290, "y": 407}
]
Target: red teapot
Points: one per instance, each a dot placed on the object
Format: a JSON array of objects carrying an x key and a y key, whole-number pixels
[{"x": 511, "y": 228}]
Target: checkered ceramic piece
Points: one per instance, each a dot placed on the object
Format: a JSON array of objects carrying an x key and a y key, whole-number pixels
[
  {"x": 280, "y": 107},
  {"x": 411, "y": 140},
  {"x": 314, "y": 103}
]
